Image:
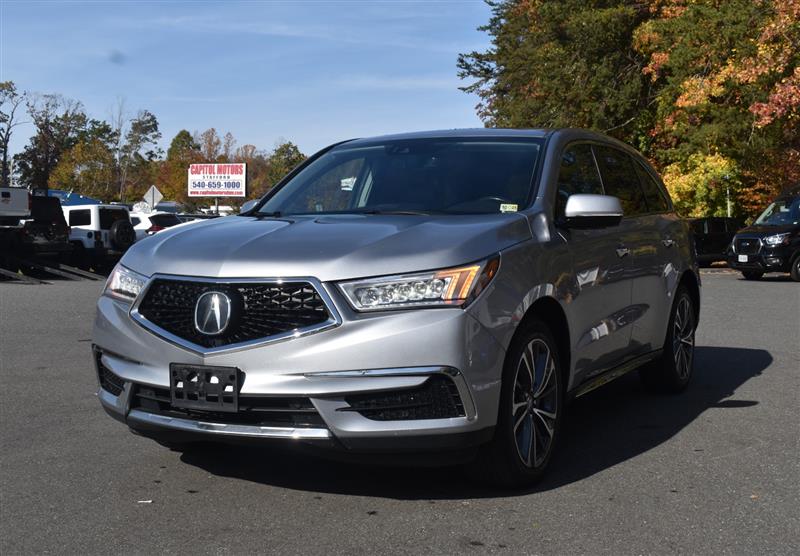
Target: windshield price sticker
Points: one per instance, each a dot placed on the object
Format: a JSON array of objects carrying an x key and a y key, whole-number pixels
[
  {"x": 508, "y": 207},
  {"x": 217, "y": 180}
]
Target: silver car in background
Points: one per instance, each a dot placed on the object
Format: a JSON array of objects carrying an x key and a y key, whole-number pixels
[{"x": 427, "y": 294}]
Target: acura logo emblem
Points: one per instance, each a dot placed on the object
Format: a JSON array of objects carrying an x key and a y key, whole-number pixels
[{"x": 212, "y": 313}]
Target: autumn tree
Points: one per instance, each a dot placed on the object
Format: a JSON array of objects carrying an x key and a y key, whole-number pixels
[{"x": 58, "y": 122}]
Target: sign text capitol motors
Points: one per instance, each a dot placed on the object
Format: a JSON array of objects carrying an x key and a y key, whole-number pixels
[{"x": 217, "y": 180}]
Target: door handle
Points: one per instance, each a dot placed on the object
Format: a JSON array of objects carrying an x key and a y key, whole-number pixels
[
  {"x": 668, "y": 242},
  {"x": 623, "y": 252}
]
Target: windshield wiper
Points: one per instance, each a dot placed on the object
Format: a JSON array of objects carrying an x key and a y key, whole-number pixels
[{"x": 274, "y": 214}]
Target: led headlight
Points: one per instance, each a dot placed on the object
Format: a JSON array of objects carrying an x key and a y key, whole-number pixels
[
  {"x": 124, "y": 284},
  {"x": 439, "y": 288},
  {"x": 776, "y": 239}
]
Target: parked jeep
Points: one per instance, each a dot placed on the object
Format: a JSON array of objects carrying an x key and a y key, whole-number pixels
[{"x": 98, "y": 232}]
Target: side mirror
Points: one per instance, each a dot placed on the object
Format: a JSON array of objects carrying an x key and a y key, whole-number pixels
[
  {"x": 247, "y": 206},
  {"x": 592, "y": 211}
]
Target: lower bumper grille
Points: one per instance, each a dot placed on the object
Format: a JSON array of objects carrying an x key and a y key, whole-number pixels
[
  {"x": 109, "y": 382},
  {"x": 437, "y": 398},
  {"x": 253, "y": 410}
]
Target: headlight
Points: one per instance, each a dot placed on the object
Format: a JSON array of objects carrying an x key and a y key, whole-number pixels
[
  {"x": 451, "y": 287},
  {"x": 124, "y": 284},
  {"x": 776, "y": 239}
]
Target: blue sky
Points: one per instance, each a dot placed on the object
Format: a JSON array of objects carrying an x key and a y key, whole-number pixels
[{"x": 310, "y": 72}]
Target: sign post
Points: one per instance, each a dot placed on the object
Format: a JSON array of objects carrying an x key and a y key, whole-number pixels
[
  {"x": 217, "y": 180},
  {"x": 153, "y": 197}
]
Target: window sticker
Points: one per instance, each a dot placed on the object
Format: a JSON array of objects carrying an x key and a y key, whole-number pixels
[{"x": 508, "y": 207}]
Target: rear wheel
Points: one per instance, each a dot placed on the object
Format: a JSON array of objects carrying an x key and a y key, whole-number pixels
[
  {"x": 530, "y": 412},
  {"x": 671, "y": 372},
  {"x": 752, "y": 275}
]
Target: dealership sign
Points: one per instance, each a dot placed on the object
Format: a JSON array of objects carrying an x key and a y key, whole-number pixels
[{"x": 217, "y": 180}]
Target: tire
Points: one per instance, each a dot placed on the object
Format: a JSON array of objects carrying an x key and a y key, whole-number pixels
[
  {"x": 795, "y": 270},
  {"x": 530, "y": 413},
  {"x": 122, "y": 235},
  {"x": 752, "y": 275},
  {"x": 672, "y": 372}
]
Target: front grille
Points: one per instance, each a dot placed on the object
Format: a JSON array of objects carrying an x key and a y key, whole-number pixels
[
  {"x": 259, "y": 310},
  {"x": 747, "y": 246},
  {"x": 253, "y": 410},
  {"x": 437, "y": 398},
  {"x": 109, "y": 382}
]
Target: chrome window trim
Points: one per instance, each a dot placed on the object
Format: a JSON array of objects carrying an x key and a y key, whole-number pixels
[
  {"x": 455, "y": 375},
  {"x": 334, "y": 320}
]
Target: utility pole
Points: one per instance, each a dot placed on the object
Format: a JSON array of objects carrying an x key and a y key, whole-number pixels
[{"x": 726, "y": 177}]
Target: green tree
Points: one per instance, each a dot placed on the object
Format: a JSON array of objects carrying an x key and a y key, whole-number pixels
[
  {"x": 10, "y": 102},
  {"x": 561, "y": 63}
]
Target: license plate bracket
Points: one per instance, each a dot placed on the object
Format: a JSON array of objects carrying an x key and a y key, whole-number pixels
[{"x": 204, "y": 387}]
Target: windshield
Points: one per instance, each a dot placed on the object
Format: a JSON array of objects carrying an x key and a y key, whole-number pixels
[
  {"x": 781, "y": 212},
  {"x": 451, "y": 176}
]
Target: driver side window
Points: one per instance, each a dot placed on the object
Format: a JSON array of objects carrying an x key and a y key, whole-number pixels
[{"x": 578, "y": 174}]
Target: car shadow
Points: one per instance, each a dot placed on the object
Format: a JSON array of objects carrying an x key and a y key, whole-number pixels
[{"x": 603, "y": 428}]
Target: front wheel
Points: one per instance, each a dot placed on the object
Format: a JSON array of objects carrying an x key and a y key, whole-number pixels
[
  {"x": 752, "y": 275},
  {"x": 530, "y": 413},
  {"x": 795, "y": 270},
  {"x": 671, "y": 372}
]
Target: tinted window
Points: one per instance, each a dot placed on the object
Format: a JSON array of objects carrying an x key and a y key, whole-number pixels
[
  {"x": 80, "y": 218},
  {"x": 716, "y": 226},
  {"x": 578, "y": 174},
  {"x": 165, "y": 220},
  {"x": 46, "y": 209},
  {"x": 438, "y": 175},
  {"x": 653, "y": 194},
  {"x": 109, "y": 216},
  {"x": 620, "y": 179},
  {"x": 699, "y": 226},
  {"x": 135, "y": 221}
]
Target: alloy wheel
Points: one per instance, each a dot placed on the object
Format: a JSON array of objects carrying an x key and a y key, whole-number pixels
[
  {"x": 683, "y": 338},
  {"x": 535, "y": 403}
]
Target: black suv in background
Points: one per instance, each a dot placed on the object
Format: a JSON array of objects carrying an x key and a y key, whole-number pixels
[
  {"x": 713, "y": 236},
  {"x": 772, "y": 242}
]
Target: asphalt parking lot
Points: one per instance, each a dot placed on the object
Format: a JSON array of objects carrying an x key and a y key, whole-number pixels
[{"x": 715, "y": 470}]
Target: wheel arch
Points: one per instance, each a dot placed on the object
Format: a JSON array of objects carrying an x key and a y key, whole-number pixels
[{"x": 549, "y": 311}]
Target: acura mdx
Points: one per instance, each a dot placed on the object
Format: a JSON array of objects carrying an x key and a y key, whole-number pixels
[{"x": 428, "y": 293}]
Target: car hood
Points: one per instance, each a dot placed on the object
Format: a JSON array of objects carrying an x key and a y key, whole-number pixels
[
  {"x": 335, "y": 247},
  {"x": 761, "y": 231}
]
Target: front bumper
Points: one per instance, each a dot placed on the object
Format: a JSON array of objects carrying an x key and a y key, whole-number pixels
[
  {"x": 378, "y": 354},
  {"x": 767, "y": 259}
]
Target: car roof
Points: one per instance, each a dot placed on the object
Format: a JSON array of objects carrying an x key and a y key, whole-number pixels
[{"x": 454, "y": 134}]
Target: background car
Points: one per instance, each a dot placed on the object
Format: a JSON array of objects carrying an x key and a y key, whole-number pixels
[
  {"x": 712, "y": 236},
  {"x": 772, "y": 242},
  {"x": 148, "y": 223}
]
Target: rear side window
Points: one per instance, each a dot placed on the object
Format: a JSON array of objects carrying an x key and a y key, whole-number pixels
[
  {"x": 620, "y": 179},
  {"x": 653, "y": 194},
  {"x": 135, "y": 221},
  {"x": 699, "y": 226},
  {"x": 165, "y": 220},
  {"x": 80, "y": 218},
  {"x": 578, "y": 174},
  {"x": 109, "y": 216},
  {"x": 716, "y": 226}
]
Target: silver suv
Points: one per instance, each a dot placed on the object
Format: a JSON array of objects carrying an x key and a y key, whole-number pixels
[{"x": 427, "y": 294}]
